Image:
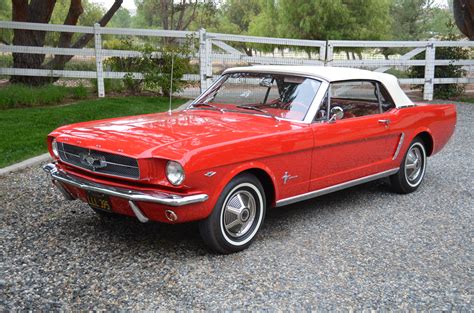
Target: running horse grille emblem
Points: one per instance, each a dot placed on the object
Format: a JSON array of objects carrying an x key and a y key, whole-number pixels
[{"x": 94, "y": 161}]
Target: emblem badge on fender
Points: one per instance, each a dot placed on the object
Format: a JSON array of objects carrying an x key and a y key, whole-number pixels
[{"x": 287, "y": 177}]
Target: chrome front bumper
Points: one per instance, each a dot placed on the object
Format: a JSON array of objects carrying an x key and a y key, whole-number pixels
[{"x": 58, "y": 175}]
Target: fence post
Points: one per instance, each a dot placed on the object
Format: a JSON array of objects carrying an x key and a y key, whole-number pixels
[
  {"x": 205, "y": 66},
  {"x": 429, "y": 71},
  {"x": 322, "y": 52},
  {"x": 329, "y": 53},
  {"x": 98, "y": 61}
]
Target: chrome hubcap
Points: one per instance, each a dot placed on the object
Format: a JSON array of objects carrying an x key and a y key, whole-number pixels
[
  {"x": 239, "y": 213},
  {"x": 414, "y": 164}
]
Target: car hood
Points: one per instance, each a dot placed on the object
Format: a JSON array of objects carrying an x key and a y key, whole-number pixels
[{"x": 169, "y": 136}]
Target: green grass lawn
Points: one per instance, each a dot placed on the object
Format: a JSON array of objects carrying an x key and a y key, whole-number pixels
[{"x": 23, "y": 131}]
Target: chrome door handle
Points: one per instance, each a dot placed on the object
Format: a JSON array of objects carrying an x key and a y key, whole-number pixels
[{"x": 386, "y": 122}]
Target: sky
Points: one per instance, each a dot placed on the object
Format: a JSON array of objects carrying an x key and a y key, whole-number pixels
[{"x": 130, "y": 4}]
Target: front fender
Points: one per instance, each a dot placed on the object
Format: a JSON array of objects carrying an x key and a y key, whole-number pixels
[{"x": 223, "y": 175}]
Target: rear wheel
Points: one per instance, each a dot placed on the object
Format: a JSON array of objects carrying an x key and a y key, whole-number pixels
[
  {"x": 237, "y": 216},
  {"x": 412, "y": 169}
]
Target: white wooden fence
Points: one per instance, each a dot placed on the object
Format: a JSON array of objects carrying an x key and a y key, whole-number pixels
[{"x": 217, "y": 51}]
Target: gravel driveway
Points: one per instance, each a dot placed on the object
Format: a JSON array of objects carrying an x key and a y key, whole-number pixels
[{"x": 360, "y": 248}]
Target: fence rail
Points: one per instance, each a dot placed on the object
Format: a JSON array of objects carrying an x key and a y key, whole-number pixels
[{"x": 217, "y": 51}]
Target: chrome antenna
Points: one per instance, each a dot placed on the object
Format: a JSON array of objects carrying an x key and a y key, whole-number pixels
[{"x": 171, "y": 82}]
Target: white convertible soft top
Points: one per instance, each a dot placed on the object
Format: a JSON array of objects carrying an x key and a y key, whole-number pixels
[{"x": 332, "y": 74}]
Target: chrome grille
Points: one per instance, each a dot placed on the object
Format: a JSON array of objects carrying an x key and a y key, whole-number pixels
[{"x": 99, "y": 161}]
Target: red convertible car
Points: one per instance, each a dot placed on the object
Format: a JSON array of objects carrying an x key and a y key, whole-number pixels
[{"x": 259, "y": 137}]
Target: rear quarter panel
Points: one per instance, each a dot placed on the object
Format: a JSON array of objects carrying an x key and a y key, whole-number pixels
[{"x": 439, "y": 120}]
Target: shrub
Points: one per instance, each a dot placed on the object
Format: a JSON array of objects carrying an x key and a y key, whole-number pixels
[
  {"x": 110, "y": 85},
  {"x": 155, "y": 66},
  {"x": 80, "y": 65}
]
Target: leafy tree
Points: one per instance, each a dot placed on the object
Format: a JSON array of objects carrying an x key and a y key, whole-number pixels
[
  {"x": 369, "y": 20},
  {"x": 121, "y": 19},
  {"x": 411, "y": 19},
  {"x": 41, "y": 11},
  {"x": 265, "y": 24},
  {"x": 5, "y": 15},
  {"x": 440, "y": 23},
  {"x": 92, "y": 12},
  {"x": 166, "y": 14},
  {"x": 206, "y": 16},
  {"x": 237, "y": 15},
  {"x": 5, "y": 10},
  {"x": 335, "y": 19}
]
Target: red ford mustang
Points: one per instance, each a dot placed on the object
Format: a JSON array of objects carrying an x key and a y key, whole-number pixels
[{"x": 259, "y": 137}]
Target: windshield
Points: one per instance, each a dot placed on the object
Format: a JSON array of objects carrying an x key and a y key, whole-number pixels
[{"x": 279, "y": 95}]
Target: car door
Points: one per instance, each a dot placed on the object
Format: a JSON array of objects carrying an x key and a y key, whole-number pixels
[{"x": 357, "y": 145}]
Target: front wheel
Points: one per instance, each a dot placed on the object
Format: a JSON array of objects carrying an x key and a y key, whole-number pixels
[
  {"x": 412, "y": 169},
  {"x": 237, "y": 216}
]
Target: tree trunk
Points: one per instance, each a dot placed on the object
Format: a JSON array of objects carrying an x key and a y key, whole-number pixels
[
  {"x": 60, "y": 61},
  {"x": 464, "y": 17},
  {"x": 75, "y": 11},
  {"x": 38, "y": 11}
]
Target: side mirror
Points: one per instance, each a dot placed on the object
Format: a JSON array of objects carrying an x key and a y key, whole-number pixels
[{"x": 337, "y": 113}]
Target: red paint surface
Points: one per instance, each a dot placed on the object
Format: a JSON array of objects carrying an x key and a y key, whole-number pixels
[{"x": 319, "y": 154}]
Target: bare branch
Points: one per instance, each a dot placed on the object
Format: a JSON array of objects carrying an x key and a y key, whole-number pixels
[
  {"x": 191, "y": 18},
  {"x": 59, "y": 61}
]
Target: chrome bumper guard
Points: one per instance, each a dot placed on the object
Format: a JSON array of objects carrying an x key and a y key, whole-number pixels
[{"x": 58, "y": 175}]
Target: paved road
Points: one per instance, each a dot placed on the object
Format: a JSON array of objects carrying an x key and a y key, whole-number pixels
[{"x": 360, "y": 248}]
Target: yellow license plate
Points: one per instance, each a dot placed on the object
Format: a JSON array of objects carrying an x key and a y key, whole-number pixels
[{"x": 99, "y": 201}]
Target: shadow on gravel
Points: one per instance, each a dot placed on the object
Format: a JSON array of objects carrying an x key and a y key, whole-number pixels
[{"x": 128, "y": 234}]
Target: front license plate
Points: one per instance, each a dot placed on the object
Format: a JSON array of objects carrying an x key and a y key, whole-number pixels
[{"x": 99, "y": 201}]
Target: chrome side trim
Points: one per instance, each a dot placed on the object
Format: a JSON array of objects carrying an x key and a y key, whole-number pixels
[
  {"x": 138, "y": 213},
  {"x": 400, "y": 143},
  {"x": 334, "y": 188},
  {"x": 155, "y": 197}
]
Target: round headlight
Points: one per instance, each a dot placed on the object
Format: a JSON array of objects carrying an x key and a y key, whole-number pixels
[
  {"x": 54, "y": 147},
  {"x": 174, "y": 173}
]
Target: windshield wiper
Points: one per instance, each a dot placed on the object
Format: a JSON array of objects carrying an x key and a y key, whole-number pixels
[
  {"x": 202, "y": 104},
  {"x": 250, "y": 107}
]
